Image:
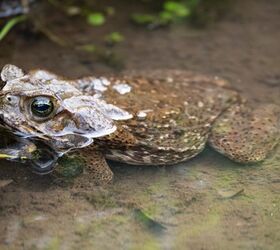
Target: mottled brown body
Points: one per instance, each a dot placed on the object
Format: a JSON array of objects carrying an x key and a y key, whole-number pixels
[
  {"x": 180, "y": 110},
  {"x": 148, "y": 118}
]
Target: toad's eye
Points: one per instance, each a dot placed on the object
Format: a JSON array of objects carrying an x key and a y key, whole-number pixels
[{"x": 42, "y": 107}]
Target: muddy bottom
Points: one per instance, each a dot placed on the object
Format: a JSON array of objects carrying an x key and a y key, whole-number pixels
[{"x": 206, "y": 203}]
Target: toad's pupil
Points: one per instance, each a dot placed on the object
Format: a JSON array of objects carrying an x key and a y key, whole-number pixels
[{"x": 42, "y": 106}]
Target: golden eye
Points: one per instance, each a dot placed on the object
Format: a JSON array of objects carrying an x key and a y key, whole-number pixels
[{"x": 42, "y": 107}]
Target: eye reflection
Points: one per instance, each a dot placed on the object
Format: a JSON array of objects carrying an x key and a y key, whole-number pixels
[{"x": 42, "y": 106}]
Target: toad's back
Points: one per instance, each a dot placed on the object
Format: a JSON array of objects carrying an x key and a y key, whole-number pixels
[
  {"x": 172, "y": 114},
  {"x": 157, "y": 118}
]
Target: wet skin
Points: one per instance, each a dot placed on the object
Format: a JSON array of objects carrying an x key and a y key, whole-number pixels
[{"x": 144, "y": 118}]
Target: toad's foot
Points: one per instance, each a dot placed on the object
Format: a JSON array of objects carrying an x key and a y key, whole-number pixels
[
  {"x": 247, "y": 135},
  {"x": 96, "y": 170}
]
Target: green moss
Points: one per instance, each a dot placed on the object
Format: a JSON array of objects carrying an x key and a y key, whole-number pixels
[
  {"x": 201, "y": 226},
  {"x": 54, "y": 244},
  {"x": 176, "y": 9},
  {"x": 70, "y": 167},
  {"x": 102, "y": 200},
  {"x": 114, "y": 38},
  {"x": 143, "y": 19},
  {"x": 96, "y": 19},
  {"x": 148, "y": 244}
]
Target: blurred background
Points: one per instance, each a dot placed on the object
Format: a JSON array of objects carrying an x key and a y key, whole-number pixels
[{"x": 207, "y": 203}]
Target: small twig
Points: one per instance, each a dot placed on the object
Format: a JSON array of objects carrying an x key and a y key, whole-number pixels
[{"x": 52, "y": 36}]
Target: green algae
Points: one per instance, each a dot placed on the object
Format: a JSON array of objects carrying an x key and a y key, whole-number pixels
[
  {"x": 200, "y": 225},
  {"x": 101, "y": 200},
  {"x": 70, "y": 167},
  {"x": 148, "y": 244},
  {"x": 54, "y": 244}
]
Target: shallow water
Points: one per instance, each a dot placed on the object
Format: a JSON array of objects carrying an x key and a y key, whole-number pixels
[{"x": 206, "y": 203}]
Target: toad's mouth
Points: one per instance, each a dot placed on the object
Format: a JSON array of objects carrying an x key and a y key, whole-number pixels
[
  {"x": 44, "y": 158},
  {"x": 38, "y": 156}
]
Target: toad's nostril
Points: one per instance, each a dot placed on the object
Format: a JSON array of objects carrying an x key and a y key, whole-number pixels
[
  {"x": 2, "y": 84},
  {"x": 1, "y": 118}
]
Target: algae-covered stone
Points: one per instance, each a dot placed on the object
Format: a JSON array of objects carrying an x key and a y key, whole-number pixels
[{"x": 70, "y": 166}]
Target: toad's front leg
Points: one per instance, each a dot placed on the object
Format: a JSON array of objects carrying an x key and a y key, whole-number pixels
[
  {"x": 247, "y": 135},
  {"x": 96, "y": 170}
]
